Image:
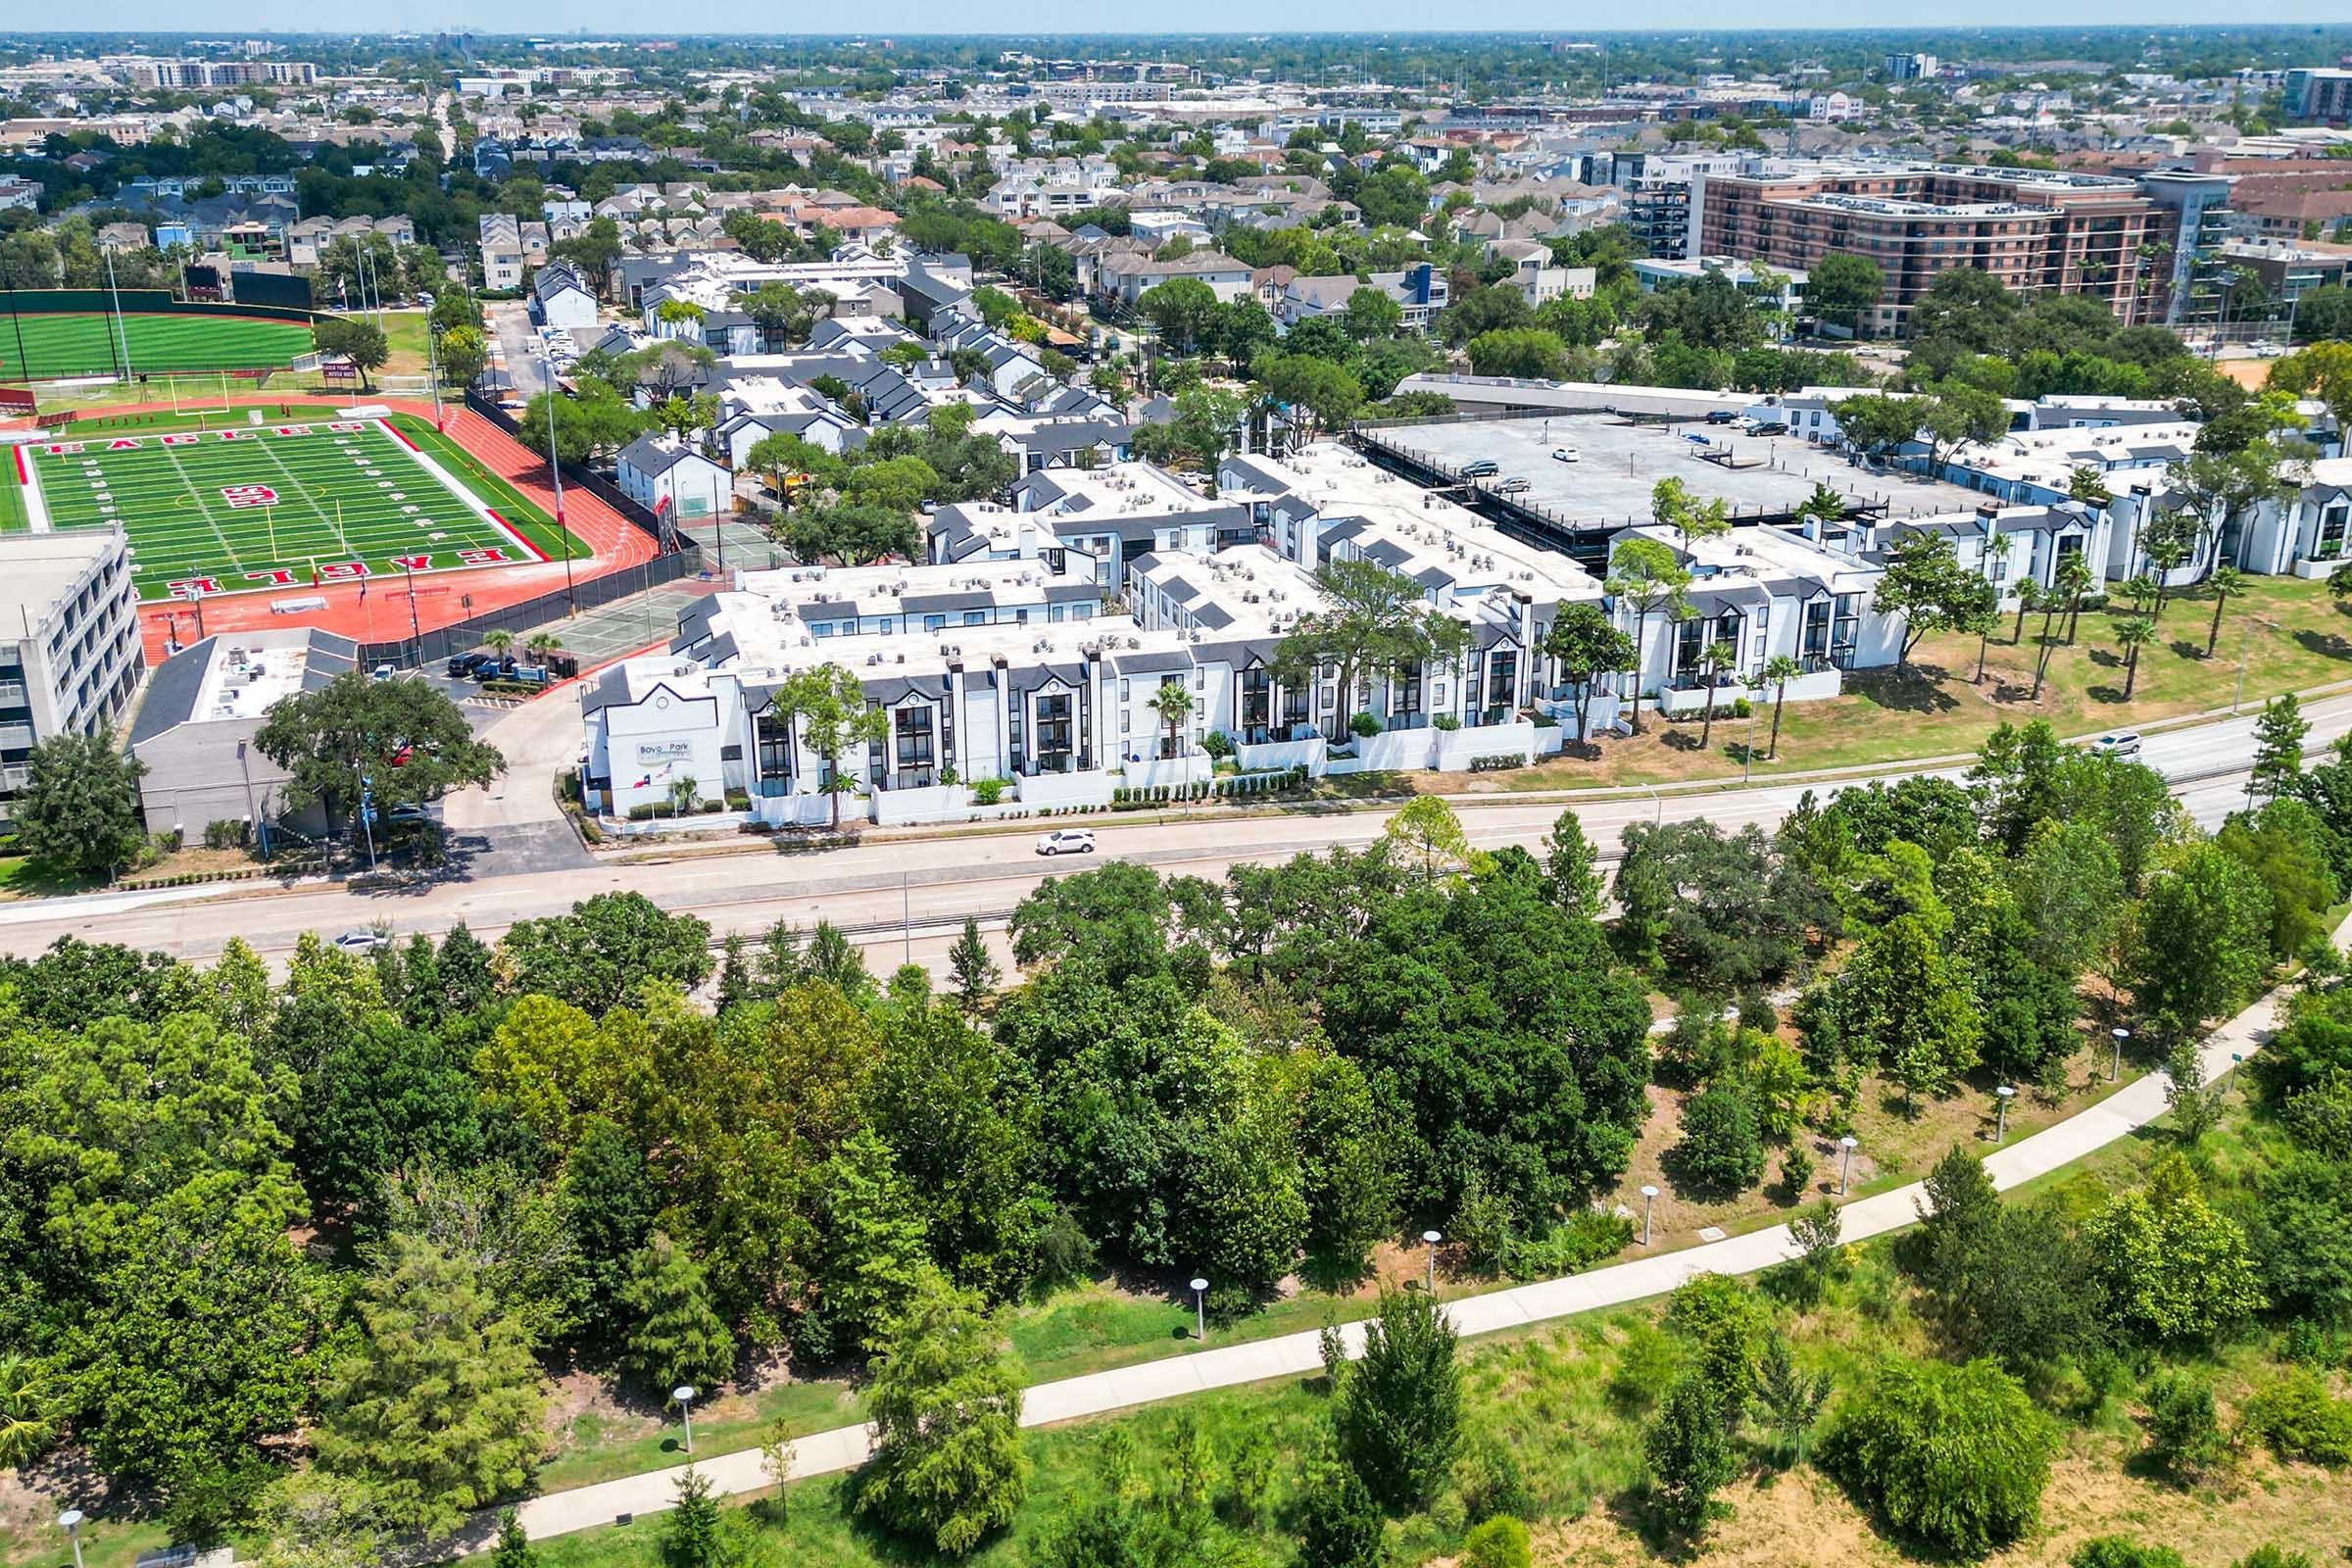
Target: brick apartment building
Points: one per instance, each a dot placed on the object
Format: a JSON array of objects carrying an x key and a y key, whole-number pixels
[{"x": 2036, "y": 230}]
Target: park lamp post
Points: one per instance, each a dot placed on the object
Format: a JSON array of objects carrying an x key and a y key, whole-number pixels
[
  {"x": 2000, "y": 1127},
  {"x": 1650, "y": 1195},
  {"x": 1200, "y": 1308},
  {"x": 2115, "y": 1061},
  {"x": 71, "y": 1523},
  {"x": 1432, "y": 1239},
  {"x": 1846, "y": 1161},
  {"x": 684, "y": 1393}
]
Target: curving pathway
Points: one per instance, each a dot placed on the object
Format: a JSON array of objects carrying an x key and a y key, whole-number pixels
[{"x": 2120, "y": 1114}]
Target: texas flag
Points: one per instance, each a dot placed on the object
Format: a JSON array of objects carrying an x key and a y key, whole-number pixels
[{"x": 647, "y": 782}]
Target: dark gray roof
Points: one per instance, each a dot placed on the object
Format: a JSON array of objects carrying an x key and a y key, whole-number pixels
[
  {"x": 1213, "y": 616},
  {"x": 935, "y": 603},
  {"x": 171, "y": 699},
  {"x": 1388, "y": 553},
  {"x": 649, "y": 456}
]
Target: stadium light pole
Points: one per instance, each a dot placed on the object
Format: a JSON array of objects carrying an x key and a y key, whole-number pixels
[
  {"x": 555, "y": 470},
  {"x": 116, "y": 294}
]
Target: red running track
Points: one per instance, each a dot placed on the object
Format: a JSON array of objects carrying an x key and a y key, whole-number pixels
[{"x": 384, "y": 612}]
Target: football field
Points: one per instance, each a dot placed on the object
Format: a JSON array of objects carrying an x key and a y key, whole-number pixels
[{"x": 270, "y": 508}]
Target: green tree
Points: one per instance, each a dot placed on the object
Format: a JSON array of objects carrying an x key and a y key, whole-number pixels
[
  {"x": 1426, "y": 833},
  {"x": 1646, "y": 574},
  {"x": 1372, "y": 313},
  {"x": 696, "y": 1533},
  {"x": 1789, "y": 1398},
  {"x": 359, "y": 342},
  {"x": 1570, "y": 866},
  {"x": 1398, "y": 1420},
  {"x": 1926, "y": 584},
  {"x": 1182, "y": 309},
  {"x": 461, "y": 353},
  {"x": 401, "y": 743},
  {"x": 2224, "y": 583},
  {"x": 608, "y": 945},
  {"x": 1721, "y": 1148},
  {"x": 1690, "y": 1451},
  {"x": 677, "y": 1337},
  {"x": 2171, "y": 1269},
  {"x": 1371, "y": 618},
  {"x": 514, "y": 1549},
  {"x": 827, "y": 708},
  {"x": 28, "y": 1409},
  {"x": 437, "y": 1405},
  {"x": 1586, "y": 645},
  {"x": 2185, "y": 1440},
  {"x": 974, "y": 968},
  {"x": 1339, "y": 1522},
  {"x": 948, "y": 1467},
  {"x": 1842, "y": 285},
  {"x": 2202, "y": 940},
  {"x": 80, "y": 808},
  {"x": 2279, "y": 735},
  {"x": 1529, "y": 353},
  {"x": 1954, "y": 1456},
  {"x": 872, "y": 1249}
]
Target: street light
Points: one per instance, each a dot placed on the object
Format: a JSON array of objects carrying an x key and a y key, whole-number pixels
[
  {"x": 1432, "y": 1238},
  {"x": 1199, "y": 1310},
  {"x": 684, "y": 1395},
  {"x": 71, "y": 1522},
  {"x": 2000, "y": 1127},
  {"x": 2115, "y": 1062},
  {"x": 1845, "y": 1161},
  {"x": 1650, "y": 1195}
]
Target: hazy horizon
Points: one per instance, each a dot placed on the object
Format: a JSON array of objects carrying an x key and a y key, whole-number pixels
[{"x": 925, "y": 19}]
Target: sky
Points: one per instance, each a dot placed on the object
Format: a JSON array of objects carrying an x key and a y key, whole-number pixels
[{"x": 885, "y": 17}]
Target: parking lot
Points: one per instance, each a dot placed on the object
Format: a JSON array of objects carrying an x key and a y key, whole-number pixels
[{"x": 1617, "y": 463}]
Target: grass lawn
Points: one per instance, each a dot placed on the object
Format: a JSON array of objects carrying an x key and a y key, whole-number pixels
[
  {"x": 90, "y": 343},
  {"x": 2291, "y": 634}
]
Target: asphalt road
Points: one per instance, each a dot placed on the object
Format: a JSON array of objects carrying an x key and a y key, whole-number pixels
[{"x": 908, "y": 896}]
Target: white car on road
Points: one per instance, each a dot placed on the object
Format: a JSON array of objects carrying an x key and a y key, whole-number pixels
[
  {"x": 1066, "y": 841},
  {"x": 2124, "y": 745}
]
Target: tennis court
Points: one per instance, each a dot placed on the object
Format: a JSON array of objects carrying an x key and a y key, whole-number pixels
[
  {"x": 40, "y": 346},
  {"x": 272, "y": 508}
]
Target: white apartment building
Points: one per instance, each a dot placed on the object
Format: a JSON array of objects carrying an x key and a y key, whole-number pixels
[{"x": 70, "y": 655}]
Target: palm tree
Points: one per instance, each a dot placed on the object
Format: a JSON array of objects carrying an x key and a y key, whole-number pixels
[
  {"x": 2073, "y": 581},
  {"x": 2225, "y": 580},
  {"x": 2029, "y": 597},
  {"x": 540, "y": 645},
  {"x": 2134, "y": 634},
  {"x": 1174, "y": 705},
  {"x": 499, "y": 642},
  {"x": 1713, "y": 663},
  {"x": 1780, "y": 670}
]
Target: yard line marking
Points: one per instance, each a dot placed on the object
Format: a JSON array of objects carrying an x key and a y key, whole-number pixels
[{"x": 225, "y": 548}]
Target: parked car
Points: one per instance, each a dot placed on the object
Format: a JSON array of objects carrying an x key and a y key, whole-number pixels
[
  {"x": 1721, "y": 417},
  {"x": 1512, "y": 486},
  {"x": 495, "y": 669},
  {"x": 1482, "y": 469},
  {"x": 462, "y": 666},
  {"x": 1565, "y": 455},
  {"x": 2124, "y": 745},
  {"x": 1066, "y": 841}
]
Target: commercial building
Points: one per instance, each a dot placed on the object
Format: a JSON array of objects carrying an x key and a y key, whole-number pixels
[
  {"x": 196, "y": 722},
  {"x": 2039, "y": 231},
  {"x": 69, "y": 657},
  {"x": 2319, "y": 94}
]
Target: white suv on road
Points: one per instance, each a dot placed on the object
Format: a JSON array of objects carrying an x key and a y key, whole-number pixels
[
  {"x": 1066, "y": 841},
  {"x": 2123, "y": 745}
]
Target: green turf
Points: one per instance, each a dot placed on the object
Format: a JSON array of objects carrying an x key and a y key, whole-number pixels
[
  {"x": 38, "y": 347},
  {"x": 314, "y": 506}
]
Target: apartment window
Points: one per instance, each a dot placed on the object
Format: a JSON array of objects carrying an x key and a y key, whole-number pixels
[
  {"x": 774, "y": 737},
  {"x": 2334, "y": 522},
  {"x": 913, "y": 731},
  {"x": 1405, "y": 684},
  {"x": 1256, "y": 699},
  {"x": 1053, "y": 746}
]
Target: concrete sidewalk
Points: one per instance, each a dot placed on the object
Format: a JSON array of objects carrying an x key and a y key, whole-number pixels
[{"x": 2129, "y": 1109}]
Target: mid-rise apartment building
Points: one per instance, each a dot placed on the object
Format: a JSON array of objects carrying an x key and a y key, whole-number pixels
[
  {"x": 69, "y": 656},
  {"x": 2038, "y": 231}
]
